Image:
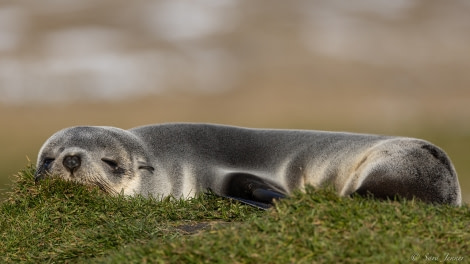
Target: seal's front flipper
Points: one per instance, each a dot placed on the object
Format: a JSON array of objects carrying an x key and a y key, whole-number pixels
[
  {"x": 251, "y": 189},
  {"x": 267, "y": 195}
]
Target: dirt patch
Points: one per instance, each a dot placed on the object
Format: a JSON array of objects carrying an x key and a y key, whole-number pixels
[{"x": 197, "y": 227}]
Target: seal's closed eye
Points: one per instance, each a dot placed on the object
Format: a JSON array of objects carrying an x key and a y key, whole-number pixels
[
  {"x": 43, "y": 169},
  {"x": 111, "y": 163},
  {"x": 149, "y": 168},
  {"x": 47, "y": 163}
]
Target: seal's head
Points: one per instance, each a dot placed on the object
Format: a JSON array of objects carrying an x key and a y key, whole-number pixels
[{"x": 111, "y": 158}]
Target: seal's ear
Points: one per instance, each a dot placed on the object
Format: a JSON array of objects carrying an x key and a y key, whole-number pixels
[{"x": 253, "y": 190}]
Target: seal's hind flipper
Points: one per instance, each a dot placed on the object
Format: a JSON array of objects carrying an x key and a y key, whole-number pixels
[{"x": 251, "y": 189}]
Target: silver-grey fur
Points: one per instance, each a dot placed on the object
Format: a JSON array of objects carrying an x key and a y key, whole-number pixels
[{"x": 185, "y": 159}]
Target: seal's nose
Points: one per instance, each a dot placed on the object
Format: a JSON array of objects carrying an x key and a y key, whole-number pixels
[{"x": 72, "y": 162}]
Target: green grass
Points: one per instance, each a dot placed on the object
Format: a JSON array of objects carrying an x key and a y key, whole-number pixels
[{"x": 59, "y": 222}]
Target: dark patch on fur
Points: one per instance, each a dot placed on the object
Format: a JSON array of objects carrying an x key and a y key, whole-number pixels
[
  {"x": 438, "y": 154},
  {"x": 382, "y": 191}
]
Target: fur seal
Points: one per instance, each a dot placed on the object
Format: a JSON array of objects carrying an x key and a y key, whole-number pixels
[{"x": 251, "y": 165}]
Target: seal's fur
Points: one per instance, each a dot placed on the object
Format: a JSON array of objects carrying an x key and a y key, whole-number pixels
[{"x": 248, "y": 164}]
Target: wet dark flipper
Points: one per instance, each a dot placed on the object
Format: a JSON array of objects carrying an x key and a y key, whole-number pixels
[
  {"x": 251, "y": 189},
  {"x": 267, "y": 195}
]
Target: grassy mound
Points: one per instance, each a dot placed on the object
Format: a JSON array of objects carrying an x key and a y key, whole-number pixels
[{"x": 60, "y": 221}]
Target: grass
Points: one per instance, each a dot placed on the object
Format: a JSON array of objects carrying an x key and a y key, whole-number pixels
[{"x": 63, "y": 222}]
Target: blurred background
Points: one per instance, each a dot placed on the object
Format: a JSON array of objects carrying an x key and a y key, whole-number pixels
[{"x": 376, "y": 66}]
